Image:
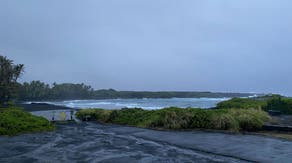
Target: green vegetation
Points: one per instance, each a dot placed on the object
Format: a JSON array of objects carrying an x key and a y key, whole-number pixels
[
  {"x": 15, "y": 121},
  {"x": 9, "y": 73},
  {"x": 281, "y": 104},
  {"x": 272, "y": 102},
  {"x": 247, "y": 116},
  {"x": 243, "y": 103},
  {"x": 178, "y": 118},
  {"x": 37, "y": 90}
]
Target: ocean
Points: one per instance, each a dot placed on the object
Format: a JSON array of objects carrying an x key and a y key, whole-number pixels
[{"x": 145, "y": 103}]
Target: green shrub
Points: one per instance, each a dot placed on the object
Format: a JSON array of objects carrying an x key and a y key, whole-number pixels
[
  {"x": 280, "y": 104},
  {"x": 172, "y": 118},
  {"x": 15, "y": 121},
  {"x": 100, "y": 115},
  {"x": 224, "y": 121},
  {"x": 128, "y": 116},
  {"x": 178, "y": 118},
  {"x": 269, "y": 102},
  {"x": 202, "y": 118},
  {"x": 242, "y": 103},
  {"x": 250, "y": 119}
]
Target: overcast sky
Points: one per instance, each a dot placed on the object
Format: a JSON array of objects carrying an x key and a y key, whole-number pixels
[{"x": 206, "y": 45}]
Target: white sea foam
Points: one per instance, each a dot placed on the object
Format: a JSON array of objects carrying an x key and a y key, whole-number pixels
[
  {"x": 127, "y": 104},
  {"x": 100, "y": 103},
  {"x": 153, "y": 107},
  {"x": 140, "y": 103}
]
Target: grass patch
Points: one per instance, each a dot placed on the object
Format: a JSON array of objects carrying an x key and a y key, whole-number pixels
[
  {"x": 282, "y": 104},
  {"x": 273, "y": 102},
  {"x": 15, "y": 121},
  {"x": 243, "y": 103},
  {"x": 178, "y": 118}
]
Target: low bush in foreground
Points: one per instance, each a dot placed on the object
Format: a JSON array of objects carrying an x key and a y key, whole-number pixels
[
  {"x": 178, "y": 118},
  {"x": 16, "y": 121}
]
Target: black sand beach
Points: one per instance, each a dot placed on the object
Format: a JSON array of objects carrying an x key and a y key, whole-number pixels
[
  {"x": 93, "y": 142},
  {"x": 41, "y": 107}
]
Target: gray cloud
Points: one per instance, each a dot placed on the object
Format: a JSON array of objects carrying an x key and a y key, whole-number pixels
[{"x": 239, "y": 46}]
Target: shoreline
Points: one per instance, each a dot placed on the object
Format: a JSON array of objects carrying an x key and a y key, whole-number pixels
[
  {"x": 271, "y": 134},
  {"x": 42, "y": 107},
  {"x": 108, "y": 141}
]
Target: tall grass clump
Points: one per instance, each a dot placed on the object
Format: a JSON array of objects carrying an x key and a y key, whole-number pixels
[
  {"x": 134, "y": 117},
  {"x": 250, "y": 119},
  {"x": 222, "y": 120},
  {"x": 267, "y": 103},
  {"x": 100, "y": 115},
  {"x": 15, "y": 121},
  {"x": 172, "y": 118},
  {"x": 179, "y": 118},
  {"x": 242, "y": 103},
  {"x": 282, "y": 104}
]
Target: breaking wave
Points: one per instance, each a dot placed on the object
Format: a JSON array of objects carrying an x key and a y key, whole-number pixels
[{"x": 145, "y": 103}]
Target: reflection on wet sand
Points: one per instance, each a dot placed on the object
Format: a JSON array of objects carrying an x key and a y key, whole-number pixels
[{"x": 92, "y": 142}]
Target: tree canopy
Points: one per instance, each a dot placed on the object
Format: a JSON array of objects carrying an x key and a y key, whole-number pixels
[
  {"x": 37, "y": 90},
  {"x": 9, "y": 73}
]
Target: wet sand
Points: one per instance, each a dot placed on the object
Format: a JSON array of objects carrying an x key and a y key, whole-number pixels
[
  {"x": 42, "y": 107},
  {"x": 92, "y": 142}
]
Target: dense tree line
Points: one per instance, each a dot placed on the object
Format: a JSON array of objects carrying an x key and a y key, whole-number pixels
[{"x": 37, "y": 90}]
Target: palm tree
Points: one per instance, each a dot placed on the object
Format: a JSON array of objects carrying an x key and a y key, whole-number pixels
[{"x": 9, "y": 73}]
